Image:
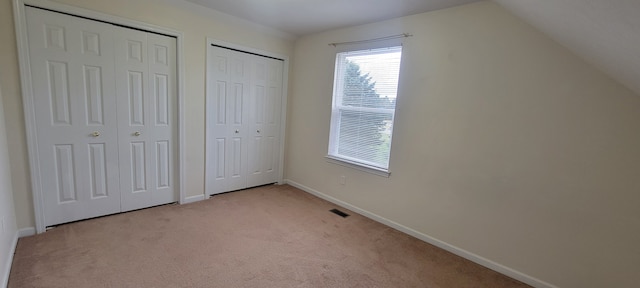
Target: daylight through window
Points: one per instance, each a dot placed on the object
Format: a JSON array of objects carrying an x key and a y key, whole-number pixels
[{"x": 364, "y": 101}]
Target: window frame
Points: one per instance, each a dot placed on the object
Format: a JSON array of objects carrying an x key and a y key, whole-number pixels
[{"x": 337, "y": 108}]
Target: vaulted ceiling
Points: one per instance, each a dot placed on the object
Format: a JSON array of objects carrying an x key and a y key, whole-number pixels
[
  {"x": 301, "y": 17},
  {"x": 605, "y": 33}
]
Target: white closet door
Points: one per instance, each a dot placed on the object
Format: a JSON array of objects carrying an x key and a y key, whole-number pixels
[
  {"x": 227, "y": 117},
  {"x": 146, "y": 87},
  {"x": 264, "y": 143},
  {"x": 244, "y": 94},
  {"x": 74, "y": 97}
]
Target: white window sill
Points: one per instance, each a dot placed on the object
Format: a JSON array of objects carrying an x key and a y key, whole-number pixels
[{"x": 358, "y": 166}]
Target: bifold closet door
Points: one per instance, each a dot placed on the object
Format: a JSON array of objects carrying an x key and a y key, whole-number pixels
[
  {"x": 264, "y": 121},
  {"x": 243, "y": 103},
  {"x": 228, "y": 79},
  {"x": 72, "y": 71},
  {"x": 146, "y": 87},
  {"x": 105, "y": 102}
]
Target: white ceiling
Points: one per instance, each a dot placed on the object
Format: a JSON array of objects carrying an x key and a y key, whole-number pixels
[
  {"x": 606, "y": 33},
  {"x": 301, "y": 17}
]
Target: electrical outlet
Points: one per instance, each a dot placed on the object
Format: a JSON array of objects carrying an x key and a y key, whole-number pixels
[{"x": 342, "y": 180}]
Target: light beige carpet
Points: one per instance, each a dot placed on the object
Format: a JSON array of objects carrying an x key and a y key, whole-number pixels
[{"x": 272, "y": 236}]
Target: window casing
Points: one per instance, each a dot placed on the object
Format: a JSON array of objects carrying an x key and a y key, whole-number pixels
[{"x": 363, "y": 108}]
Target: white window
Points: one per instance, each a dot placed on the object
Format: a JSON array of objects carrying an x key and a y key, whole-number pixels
[{"x": 364, "y": 102}]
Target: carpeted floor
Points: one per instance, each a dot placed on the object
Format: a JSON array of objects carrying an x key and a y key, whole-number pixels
[{"x": 272, "y": 236}]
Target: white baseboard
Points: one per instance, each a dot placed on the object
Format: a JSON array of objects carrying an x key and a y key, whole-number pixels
[
  {"x": 426, "y": 238},
  {"x": 24, "y": 232},
  {"x": 9, "y": 261},
  {"x": 192, "y": 199}
]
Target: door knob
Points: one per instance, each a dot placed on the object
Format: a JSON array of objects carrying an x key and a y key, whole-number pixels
[
  {"x": 237, "y": 131},
  {"x": 258, "y": 131},
  {"x": 95, "y": 134},
  {"x": 136, "y": 133}
]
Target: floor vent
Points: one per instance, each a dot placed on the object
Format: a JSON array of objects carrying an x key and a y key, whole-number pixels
[{"x": 339, "y": 213}]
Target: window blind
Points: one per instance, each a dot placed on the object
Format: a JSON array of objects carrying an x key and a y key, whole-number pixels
[{"x": 364, "y": 99}]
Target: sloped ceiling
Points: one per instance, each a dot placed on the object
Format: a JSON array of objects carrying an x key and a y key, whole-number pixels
[
  {"x": 604, "y": 32},
  {"x": 301, "y": 17}
]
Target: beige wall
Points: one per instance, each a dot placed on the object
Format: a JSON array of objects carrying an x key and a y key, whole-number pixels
[
  {"x": 195, "y": 22},
  {"x": 7, "y": 215},
  {"x": 506, "y": 145},
  {"x": 14, "y": 120}
]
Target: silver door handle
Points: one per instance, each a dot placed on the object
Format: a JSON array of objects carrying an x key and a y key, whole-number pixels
[
  {"x": 237, "y": 131},
  {"x": 258, "y": 131},
  {"x": 137, "y": 133},
  {"x": 95, "y": 134}
]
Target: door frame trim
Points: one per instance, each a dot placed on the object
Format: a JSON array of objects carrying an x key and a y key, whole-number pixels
[
  {"x": 283, "y": 103},
  {"x": 20, "y": 22}
]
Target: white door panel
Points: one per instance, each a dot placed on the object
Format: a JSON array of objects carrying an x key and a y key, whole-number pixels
[
  {"x": 145, "y": 81},
  {"x": 132, "y": 80},
  {"x": 163, "y": 124},
  {"x": 265, "y": 122},
  {"x": 226, "y": 105},
  {"x": 73, "y": 74}
]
